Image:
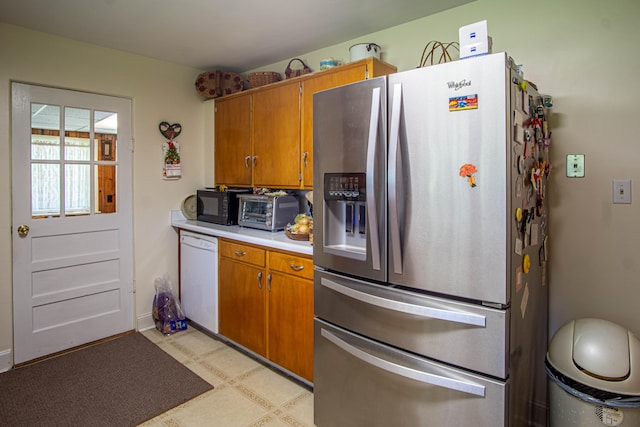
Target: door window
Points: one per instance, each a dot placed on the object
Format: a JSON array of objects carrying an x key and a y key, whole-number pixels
[{"x": 70, "y": 175}]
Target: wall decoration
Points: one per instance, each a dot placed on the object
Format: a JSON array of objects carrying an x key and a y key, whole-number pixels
[{"x": 171, "y": 150}]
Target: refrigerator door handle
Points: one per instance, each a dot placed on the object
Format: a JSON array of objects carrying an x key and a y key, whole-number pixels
[
  {"x": 372, "y": 145},
  {"x": 406, "y": 308},
  {"x": 413, "y": 374},
  {"x": 394, "y": 136}
]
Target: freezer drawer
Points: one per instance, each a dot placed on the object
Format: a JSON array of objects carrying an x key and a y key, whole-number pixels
[
  {"x": 359, "y": 382},
  {"x": 462, "y": 334}
]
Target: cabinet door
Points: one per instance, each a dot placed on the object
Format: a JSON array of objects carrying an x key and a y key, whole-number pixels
[
  {"x": 290, "y": 322},
  {"x": 333, "y": 78},
  {"x": 242, "y": 304},
  {"x": 276, "y": 136},
  {"x": 233, "y": 141}
]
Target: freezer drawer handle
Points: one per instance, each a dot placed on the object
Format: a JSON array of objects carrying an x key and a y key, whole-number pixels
[
  {"x": 412, "y": 374},
  {"x": 403, "y": 307}
]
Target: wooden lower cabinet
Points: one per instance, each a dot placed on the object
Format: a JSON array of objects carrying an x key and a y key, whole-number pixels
[
  {"x": 290, "y": 312},
  {"x": 242, "y": 315},
  {"x": 266, "y": 303}
]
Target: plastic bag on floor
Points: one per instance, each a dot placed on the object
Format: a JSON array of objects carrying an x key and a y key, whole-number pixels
[{"x": 167, "y": 312}]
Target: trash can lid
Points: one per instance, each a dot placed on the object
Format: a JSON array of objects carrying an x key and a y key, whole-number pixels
[{"x": 597, "y": 353}]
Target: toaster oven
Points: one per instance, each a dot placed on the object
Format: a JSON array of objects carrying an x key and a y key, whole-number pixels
[{"x": 271, "y": 213}]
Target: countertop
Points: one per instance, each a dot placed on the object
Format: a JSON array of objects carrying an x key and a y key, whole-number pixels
[{"x": 275, "y": 240}]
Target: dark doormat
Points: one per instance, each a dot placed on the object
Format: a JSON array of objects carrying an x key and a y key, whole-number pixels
[{"x": 122, "y": 382}]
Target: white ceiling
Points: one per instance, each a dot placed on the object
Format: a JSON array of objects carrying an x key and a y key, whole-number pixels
[{"x": 231, "y": 35}]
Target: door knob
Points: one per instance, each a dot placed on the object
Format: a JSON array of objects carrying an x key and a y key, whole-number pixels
[{"x": 23, "y": 230}]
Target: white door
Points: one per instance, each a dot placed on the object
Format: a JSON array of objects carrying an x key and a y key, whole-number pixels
[{"x": 72, "y": 219}]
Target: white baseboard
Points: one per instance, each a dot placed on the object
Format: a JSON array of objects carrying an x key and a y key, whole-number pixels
[
  {"x": 6, "y": 360},
  {"x": 146, "y": 322}
]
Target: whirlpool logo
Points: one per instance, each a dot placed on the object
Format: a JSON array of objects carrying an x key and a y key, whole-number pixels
[{"x": 459, "y": 85}]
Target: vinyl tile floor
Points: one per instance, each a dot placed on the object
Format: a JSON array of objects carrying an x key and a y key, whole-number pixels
[{"x": 246, "y": 393}]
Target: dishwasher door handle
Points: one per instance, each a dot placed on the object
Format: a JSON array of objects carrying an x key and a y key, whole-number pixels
[{"x": 198, "y": 243}]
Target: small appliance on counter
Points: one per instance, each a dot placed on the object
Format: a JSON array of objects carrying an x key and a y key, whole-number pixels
[
  {"x": 267, "y": 212},
  {"x": 219, "y": 207}
]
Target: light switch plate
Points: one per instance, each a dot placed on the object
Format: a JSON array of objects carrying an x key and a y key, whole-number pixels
[
  {"x": 575, "y": 165},
  {"x": 622, "y": 191}
]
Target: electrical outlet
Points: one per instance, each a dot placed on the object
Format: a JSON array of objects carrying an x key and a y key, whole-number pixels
[{"x": 622, "y": 191}]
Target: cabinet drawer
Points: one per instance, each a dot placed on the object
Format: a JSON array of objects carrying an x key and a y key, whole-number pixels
[
  {"x": 291, "y": 264},
  {"x": 244, "y": 253}
]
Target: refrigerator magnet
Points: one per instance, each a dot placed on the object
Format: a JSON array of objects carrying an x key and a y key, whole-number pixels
[
  {"x": 525, "y": 301},
  {"x": 519, "y": 100},
  {"x": 468, "y": 171},
  {"x": 466, "y": 102},
  {"x": 518, "y": 134},
  {"x": 526, "y": 264},
  {"x": 518, "y": 279},
  {"x": 519, "y": 246},
  {"x": 518, "y": 187},
  {"x": 535, "y": 233},
  {"x": 525, "y": 103},
  {"x": 520, "y": 165}
]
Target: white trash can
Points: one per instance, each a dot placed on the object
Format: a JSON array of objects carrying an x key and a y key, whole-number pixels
[{"x": 594, "y": 371}]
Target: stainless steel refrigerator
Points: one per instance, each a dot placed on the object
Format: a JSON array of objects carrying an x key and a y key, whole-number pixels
[{"x": 430, "y": 245}]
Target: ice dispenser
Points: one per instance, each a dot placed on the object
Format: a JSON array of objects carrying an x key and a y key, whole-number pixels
[{"x": 345, "y": 216}]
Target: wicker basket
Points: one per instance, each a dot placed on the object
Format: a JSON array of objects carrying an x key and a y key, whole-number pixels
[
  {"x": 262, "y": 78},
  {"x": 289, "y": 72},
  {"x": 296, "y": 236},
  {"x": 218, "y": 83},
  {"x": 435, "y": 47}
]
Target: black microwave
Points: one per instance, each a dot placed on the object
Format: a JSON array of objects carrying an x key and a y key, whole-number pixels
[{"x": 219, "y": 207}]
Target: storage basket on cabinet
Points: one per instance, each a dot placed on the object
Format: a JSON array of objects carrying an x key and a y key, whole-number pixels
[{"x": 262, "y": 78}]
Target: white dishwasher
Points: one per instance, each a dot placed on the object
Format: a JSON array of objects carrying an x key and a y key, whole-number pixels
[{"x": 199, "y": 279}]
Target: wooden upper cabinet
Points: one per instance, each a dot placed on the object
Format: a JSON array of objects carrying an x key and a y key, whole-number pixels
[
  {"x": 233, "y": 141},
  {"x": 345, "y": 74},
  {"x": 276, "y": 136},
  {"x": 264, "y": 136}
]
